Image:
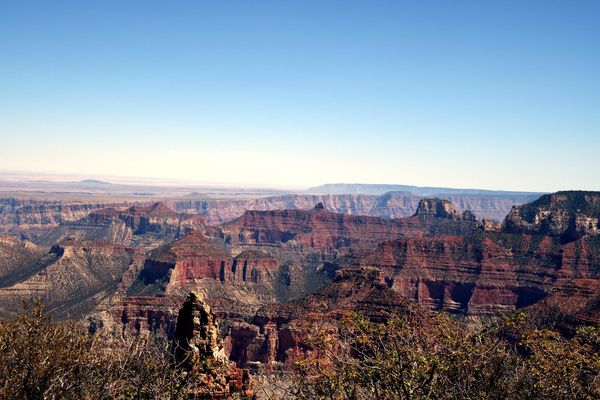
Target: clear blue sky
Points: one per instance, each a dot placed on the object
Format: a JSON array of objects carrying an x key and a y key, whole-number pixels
[{"x": 489, "y": 94}]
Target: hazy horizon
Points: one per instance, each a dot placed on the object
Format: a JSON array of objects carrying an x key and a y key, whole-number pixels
[
  {"x": 33, "y": 176},
  {"x": 499, "y": 96}
]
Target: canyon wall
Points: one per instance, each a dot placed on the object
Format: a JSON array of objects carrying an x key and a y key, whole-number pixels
[
  {"x": 569, "y": 215},
  {"x": 387, "y": 205},
  {"x": 267, "y": 272},
  {"x": 34, "y": 218},
  {"x": 30, "y": 218},
  {"x": 135, "y": 226}
]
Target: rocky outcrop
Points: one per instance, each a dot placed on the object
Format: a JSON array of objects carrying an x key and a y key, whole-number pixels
[
  {"x": 197, "y": 334},
  {"x": 199, "y": 351},
  {"x": 70, "y": 279},
  {"x": 569, "y": 215},
  {"x": 253, "y": 276},
  {"x": 32, "y": 218},
  {"x": 17, "y": 257},
  {"x": 327, "y": 232},
  {"x": 135, "y": 226},
  {"x": 389, "y": 205},
  {"x": 439, "y": 208},
  {"x": 486, "y": 273},
  {"x": 436, "y": 208}
]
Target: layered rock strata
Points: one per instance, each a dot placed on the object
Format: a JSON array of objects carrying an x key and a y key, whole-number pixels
[
  {"x": 70, "y": 279},
  {"x": 32, "y": 218},
  {"x": 327, "y": 232},
  {"x": 199, "y": 351},
  {"x": 265, "y": 273},
  {"x": 144, "y": 226},
  {"x": 569, "y": 215}
]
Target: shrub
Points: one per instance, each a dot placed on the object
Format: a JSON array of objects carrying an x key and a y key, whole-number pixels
[
  {"x": 424, "y": 355},
  {"x": 44, "y": 359}
]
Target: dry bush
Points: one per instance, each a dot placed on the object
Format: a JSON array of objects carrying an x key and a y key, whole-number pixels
[
  {"x": 44, "y": 359},
  {"x": 413, "y": 355},
  {"x": 424, "y": 355}
]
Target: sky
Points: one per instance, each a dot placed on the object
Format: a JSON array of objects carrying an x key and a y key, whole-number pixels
[{"x": 468, "y": 94}]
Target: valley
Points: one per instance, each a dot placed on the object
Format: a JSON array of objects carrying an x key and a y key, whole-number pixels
[{"x": 266, "y": 265}]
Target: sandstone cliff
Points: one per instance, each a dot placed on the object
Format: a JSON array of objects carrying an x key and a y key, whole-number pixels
[
  {"x": 70, "y": 279},
  {"x": 135, "y": 226},
  {"x": 486, "y": 273},
  {"x": 267, "y": 271},
  {"x": 569, "y": 215},
  {"x": 387, "y": 205},
  {"x": 327, "y": 232},
  {"x": 32, "y": 218},
  {"x": 199, "y": 351}
]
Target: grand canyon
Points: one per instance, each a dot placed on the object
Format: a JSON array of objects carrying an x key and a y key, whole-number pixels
[
  {"x": 300, "y": 200},
  {"x": 265, "y": 264}
]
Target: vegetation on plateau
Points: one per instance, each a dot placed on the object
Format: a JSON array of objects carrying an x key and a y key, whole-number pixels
[{"x": 416, "y": 354}]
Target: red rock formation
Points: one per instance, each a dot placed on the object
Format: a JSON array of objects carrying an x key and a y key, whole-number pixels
[
  {"x": 326, "y": 232},
  {"x": 197, "y": 262},
  {"x": 70, "y": 278},
  {"x": 33, "y": 218},
  {"x": 481, "y": 275},
  {"x": 387, "y": 205},
  {"x": 238, "y": 285},
  {"x": 252, "y": 266},
  {"x": 199, "y": 350},
  {"x": 274, "y": 339},
  {"x": 197, "y": 258},
  {"x": 569, "y": 214},
  {"x": 186, "y": 261},
  {"x": 137, "y": 226},
  {"x": 476, "y": 275},
  {"x": 439, "y": 259}
]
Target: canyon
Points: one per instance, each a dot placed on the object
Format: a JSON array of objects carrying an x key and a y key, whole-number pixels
[
  {"x": 32, "y": 216},
  {"x": 126, "y": 270},
  {"x": 438, "y": 258}
]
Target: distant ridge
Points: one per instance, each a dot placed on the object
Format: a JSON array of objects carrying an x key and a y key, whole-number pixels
[
  {"x": 378, "y": 189},
  {"x": 92, "y": 182}
]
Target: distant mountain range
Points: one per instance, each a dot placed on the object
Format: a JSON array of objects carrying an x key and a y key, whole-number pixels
[
  {"x": 92, "y": 182},
  {"x": 377, "y": 189}
]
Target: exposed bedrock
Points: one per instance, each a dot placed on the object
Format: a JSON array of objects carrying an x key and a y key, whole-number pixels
[
  {"x": 32, "y": 218},
  {"x": 267, "y": 272},
  {"x": 199, "y": 350},
  {"x": 482, "y": 274},
  {"x": 387, "y": 205},
  {"x": 327, "y": 232},
  {"x": 568, "y": 215},
  {"x": 134, "y": 226}
]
